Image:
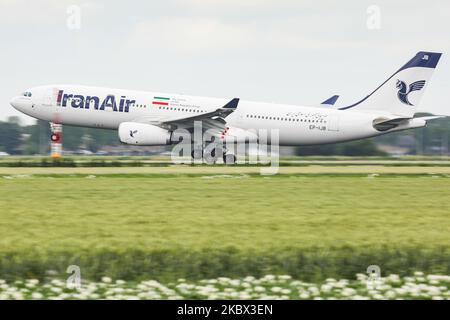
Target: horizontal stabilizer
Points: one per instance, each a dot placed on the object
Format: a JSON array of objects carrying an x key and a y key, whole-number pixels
[
  {"x": 428, "y": 118},
  {"x": 385, "y": 124}
]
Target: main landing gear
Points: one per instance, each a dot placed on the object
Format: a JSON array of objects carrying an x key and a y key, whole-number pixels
[{"x": 212, "y": 156}]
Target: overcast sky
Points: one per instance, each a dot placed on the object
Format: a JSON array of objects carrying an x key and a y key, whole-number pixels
[{"x": 286, "y": 51}]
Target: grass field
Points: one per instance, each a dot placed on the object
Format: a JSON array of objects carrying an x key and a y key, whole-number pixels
[
  {"x": 165, "y": 161},
  {"x": 200, "y": 223}
]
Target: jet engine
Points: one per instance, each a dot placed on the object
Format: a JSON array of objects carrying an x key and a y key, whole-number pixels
[{"x": 143, "y": 134}]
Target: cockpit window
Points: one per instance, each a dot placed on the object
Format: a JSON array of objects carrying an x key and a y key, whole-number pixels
[{"x": 27, "y": 94}]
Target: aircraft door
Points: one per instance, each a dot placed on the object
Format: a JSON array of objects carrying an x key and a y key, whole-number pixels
[
  {"x": 49, "y": 97},
  {"x": 333, "y": 122}
]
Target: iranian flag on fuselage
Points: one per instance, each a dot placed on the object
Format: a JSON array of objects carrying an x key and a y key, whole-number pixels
[{"x": 162, "y": 101}]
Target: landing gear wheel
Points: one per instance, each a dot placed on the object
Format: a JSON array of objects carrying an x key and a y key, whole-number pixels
[
  {"x": 211, "y": 158},
  {"x": 197, "y": 154},
  {"x": 229, "y": 158}
]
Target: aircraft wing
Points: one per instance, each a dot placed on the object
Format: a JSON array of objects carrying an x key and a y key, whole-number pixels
[
  {"x": 216, "y": 115},
  {"x": 210, "y": 120}
]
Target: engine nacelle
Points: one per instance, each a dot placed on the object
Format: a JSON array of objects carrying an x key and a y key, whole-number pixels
[{"x": 142, "y": 134}]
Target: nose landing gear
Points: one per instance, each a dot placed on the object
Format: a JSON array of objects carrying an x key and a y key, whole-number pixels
[{"x": 56, "y": 140}]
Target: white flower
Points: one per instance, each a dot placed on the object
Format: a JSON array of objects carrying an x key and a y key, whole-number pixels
[
  {"x": 326, "y": 288},
  {"x": 358, "y": 297},
  {"x": 394, "y": 276},
  {"x": 420, "y": 279},
  {"x": 304, "y": 295},
  {"x": 390, "y": 294},
  {"x": 360, "y": 276},
  {"x": 420, "y": 286},
  {"x": 244, "y": 296},
  {"x": 269, "y": 277},
  {"x": 58, "y": 283},
  {"x": 313, "y": 289},
  {"x": 17, "y": 296},
  {"x": 106, "y": 279},
  {"x": 266, "y": 298},
  {"x": 235, "y": 282},
  {"x": 434, "y": 291},
  {"x": 33, "y": 281},
  {"x": 36, "y": 295},
  {"x": 348, "y": 292},
  {"x": 259, "y": 289},
  {"x": 286, "y": 291}
]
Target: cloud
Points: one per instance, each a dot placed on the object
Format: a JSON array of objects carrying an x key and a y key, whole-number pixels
[
  {"x": 210, "y": 34},
  {"x": 189, "y": 35},
  {"x": 221, "y": 4},
  {"x": 45, "y": 12}
]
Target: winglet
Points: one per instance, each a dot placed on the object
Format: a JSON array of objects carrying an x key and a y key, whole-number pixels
[
  {"x": 232, "y": 104},
  {"x": 331, "y": 101}
]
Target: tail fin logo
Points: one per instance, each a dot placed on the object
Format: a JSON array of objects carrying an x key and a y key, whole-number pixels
[{"x": 404, "y": 90}]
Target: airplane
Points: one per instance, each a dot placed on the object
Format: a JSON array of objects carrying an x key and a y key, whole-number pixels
[{"x": 152, "y": 118}]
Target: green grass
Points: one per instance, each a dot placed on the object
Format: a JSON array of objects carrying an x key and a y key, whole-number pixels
[
  {"x": 164, "y": 161},
  {"x": 201, "y": 226}
]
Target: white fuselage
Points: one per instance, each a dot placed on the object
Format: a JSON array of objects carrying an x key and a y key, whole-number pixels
[{"x": 108, "y": 108}]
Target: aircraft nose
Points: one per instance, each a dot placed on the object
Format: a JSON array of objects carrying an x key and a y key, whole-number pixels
[
  {"x": 14, "y": 102},
  {"x": 20, "y": 103}
]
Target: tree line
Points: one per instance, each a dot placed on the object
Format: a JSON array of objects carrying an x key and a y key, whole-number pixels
[
  {"x": 35, "y": 139},
  {"x": 16, "y": 138}
]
